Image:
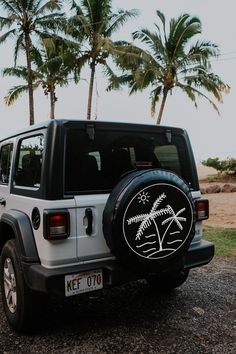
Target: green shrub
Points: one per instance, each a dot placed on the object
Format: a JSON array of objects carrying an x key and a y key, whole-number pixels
[{"x": 227, "y": 166}]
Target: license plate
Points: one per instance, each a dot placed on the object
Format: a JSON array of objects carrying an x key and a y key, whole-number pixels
[{"x": 83, "y": 282}]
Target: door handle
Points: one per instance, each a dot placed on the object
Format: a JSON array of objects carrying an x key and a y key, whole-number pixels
[
  {"x": 89, "y": 216},
  {"x": 2, "y": 201}
]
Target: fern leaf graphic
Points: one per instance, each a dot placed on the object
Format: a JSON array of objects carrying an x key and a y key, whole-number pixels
[
  {"x": 158, "y": 202},
  {"x": 144, "y": 225},
  {"x": 137, "y": 218},
  {"x": 160, "y": 212}
]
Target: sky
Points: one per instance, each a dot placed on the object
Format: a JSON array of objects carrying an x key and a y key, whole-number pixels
[{"x": 211, "y": 135}]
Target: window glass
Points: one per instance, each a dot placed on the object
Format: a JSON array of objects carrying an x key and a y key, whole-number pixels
[
  {"x": 99, "y": 163},
  {"x": 5, "y": 163},
  {"x": 29, "y": 162},
  {"x": 169, "y": 158}
]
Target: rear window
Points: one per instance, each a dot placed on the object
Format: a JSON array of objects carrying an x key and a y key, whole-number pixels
[{"x": 97, "y": 163}]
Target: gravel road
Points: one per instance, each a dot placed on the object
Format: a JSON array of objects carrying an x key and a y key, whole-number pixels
[{"x": 199, "y": 317}]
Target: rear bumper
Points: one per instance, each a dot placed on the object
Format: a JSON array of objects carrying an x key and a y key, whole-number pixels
[
  {"x": 199, "y": 254},
  {"x": 52, "y": 281}
]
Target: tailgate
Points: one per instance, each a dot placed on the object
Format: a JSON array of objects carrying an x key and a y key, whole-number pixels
[{"x": 91, "y": 243}]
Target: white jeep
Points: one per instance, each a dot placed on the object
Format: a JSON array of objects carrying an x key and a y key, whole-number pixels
[{"x": 89, "y": 205}]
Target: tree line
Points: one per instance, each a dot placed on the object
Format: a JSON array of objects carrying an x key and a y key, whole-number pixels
[{"x": 57, "y": 45}]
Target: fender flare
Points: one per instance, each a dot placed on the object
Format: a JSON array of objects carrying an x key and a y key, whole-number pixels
[{"x": 22, "y": 229}]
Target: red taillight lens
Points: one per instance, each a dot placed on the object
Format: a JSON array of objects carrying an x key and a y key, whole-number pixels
[
  {"x": 56, "y": 225},
  {"x": 202, "y": 209}
]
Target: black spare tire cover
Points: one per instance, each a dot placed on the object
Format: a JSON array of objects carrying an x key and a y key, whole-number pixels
[{"x": 148, "y": 221}]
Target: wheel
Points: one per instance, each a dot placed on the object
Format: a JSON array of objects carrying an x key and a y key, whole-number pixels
[
  {"x": 168, "y": 282},
  {"x": 148, "y": 221},
  {"x": 21, "y": 305}
]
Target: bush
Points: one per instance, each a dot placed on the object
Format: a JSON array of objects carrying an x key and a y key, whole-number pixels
[{"x": 227, "y": 166}]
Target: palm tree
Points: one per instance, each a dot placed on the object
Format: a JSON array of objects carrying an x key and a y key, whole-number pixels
[
  {"x": 25, "y": 18},
  {"x": 171, "y": 61},
  {"x": 95, "y": 23},
  {"x": 52, "y": 64}
]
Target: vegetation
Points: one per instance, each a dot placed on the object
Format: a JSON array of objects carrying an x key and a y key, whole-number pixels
[
  {"x": 168, "y": 58},
  {"x": 24, "y": 19},
  {"x": 224, "y": 240},
  {"x": 171, "y": 61},
  {"x": 227, "y": 166},
  {"x": 53, "y": 62},
  {"x": 94, "y": 22}
]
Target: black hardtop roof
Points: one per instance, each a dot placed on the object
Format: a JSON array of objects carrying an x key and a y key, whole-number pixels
[{"x": 102, "y": 124}]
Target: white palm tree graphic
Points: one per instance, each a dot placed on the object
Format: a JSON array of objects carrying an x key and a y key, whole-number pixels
[{"x": 149, "y": 218}]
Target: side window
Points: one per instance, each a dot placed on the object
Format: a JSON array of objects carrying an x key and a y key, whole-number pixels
[
  {"x": 5, "y": 163},
  {"x": 29, "y": 162}
]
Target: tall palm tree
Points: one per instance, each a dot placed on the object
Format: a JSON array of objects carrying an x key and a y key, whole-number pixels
[
  {"x": 25, "y": 18},
  {"x": 171, "y": 60},
  {"x": 52, "y": 64},
  {"x": 95, "y": 23}
]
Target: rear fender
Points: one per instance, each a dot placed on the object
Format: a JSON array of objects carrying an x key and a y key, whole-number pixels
[{"x": 17, "y": 225}]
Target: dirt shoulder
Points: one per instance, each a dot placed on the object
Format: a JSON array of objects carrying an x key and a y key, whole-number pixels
[
  {"x": 222, "y": 210},
  {"x": 222, "y": 205}
]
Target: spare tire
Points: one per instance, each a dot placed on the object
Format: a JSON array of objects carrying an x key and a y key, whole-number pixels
[{"x": 148, "y": 220}]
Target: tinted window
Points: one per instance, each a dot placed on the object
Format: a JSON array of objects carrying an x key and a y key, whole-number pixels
[
  {"x": 169, "y": 158},
  {"x": 29, "y": 162},
  {"x": 98, "y": 164},
  {"x": 5, "y": 163}
]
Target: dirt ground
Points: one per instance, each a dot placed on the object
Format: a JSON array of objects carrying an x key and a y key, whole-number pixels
[
  {"x": 222, "y": 205},
  {"x": 222, "y": 209}
]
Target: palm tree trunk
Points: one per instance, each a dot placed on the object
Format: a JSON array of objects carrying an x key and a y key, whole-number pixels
[
  {"x": 30, "y": 78},
  {"x": 165, "y": 93},
  {"x": 91, "y": 83},
  {"x": 52, "y": 103}
]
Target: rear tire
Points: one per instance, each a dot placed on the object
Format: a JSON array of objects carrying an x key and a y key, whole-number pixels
[
  {"x": 22, "y": 306},
  {"x": 168, "y": 282}
]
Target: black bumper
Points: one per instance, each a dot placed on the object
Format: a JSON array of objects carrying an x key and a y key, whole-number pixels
[{"x": 52, "y": 281}]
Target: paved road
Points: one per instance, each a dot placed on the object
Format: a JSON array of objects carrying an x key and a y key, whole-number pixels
[{"x": 199, "y": 317}]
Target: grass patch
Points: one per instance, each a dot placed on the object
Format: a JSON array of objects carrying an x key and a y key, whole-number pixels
[{"x": 224, "y": 240}]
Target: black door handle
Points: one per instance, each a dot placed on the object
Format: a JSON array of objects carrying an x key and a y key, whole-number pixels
[
  {"x": 3, "y": 201},
  {"x": 89, "y": 216}
]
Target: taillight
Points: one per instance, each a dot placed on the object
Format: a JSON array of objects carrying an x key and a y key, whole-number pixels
[
  {"x": 56, "y": 225},
  {"x": 202, "y": 209}
]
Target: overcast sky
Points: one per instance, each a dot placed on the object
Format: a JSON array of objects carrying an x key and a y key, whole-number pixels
[{"x": 210, "y": 134}]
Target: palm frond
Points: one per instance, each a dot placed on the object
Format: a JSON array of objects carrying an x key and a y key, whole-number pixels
[
  {"x": 115, "y": 82},
  {"x": 10, "y": 7},
  {"x": 19, "y": 43},
  {"x": 7, "y": 21},
  {"x": 155, "y": 96},
  {"x": 50, "y": 5},
  {"x": 14, "y": 93},
  {"x": 192, "y": 92},
  {"x": 4, "y": 36},
  {"x": 119, "y": 19},
  {"x": 19, "y": 72}
]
